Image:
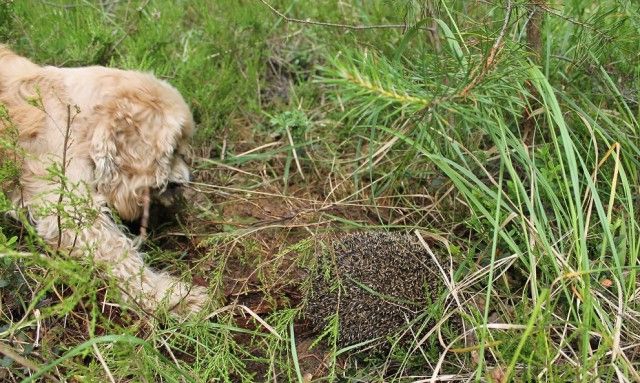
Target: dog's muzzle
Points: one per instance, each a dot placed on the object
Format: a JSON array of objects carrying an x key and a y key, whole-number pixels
[{"x": 171, "y": 195}]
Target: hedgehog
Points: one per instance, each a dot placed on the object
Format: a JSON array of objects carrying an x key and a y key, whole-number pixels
[{"x": 376, "y": 282}]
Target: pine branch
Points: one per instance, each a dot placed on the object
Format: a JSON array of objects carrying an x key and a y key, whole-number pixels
[
  {"x": 379, "y": 89},
  {"x": 495, "y": 49}
]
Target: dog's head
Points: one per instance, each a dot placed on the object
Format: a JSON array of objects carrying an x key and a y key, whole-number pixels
[{"x": 140, "y": 141}]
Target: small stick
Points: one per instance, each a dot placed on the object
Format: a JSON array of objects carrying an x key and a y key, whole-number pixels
[
  {"x": 295, "y": 155},
  {"x": 144, "y": 221}
]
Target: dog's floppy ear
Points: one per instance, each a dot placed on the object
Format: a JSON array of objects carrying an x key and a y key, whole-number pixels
[{"x": 104, "y": 149}]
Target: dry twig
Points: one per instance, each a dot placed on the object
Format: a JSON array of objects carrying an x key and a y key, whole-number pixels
[
  {"x": 144, "y": 221},
  {"x": 336, "y": 25},
  {"x": 495, "y": 49}
]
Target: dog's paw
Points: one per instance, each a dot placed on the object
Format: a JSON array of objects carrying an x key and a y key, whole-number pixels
[
  {"x": 187, "y": 299},
  {"x": 196, "y": 300}
]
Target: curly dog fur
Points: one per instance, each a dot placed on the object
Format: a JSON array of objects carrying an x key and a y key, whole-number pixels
[{"x": 120, "y": 133}]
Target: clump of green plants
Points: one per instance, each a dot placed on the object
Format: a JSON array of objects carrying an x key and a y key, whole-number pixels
[
  {"x": 6, "y": 21},
  {"x": 545, "y": 168}
]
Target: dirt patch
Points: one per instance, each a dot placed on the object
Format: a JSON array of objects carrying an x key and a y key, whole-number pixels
[{"x": 291, "y": 61}]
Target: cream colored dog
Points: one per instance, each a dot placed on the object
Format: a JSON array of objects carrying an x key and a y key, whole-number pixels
[{"x": 119, "y": 133}]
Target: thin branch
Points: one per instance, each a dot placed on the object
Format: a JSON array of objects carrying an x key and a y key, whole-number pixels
[
  {"x": 144, "y": 221},
  {"x": 534, "y": 28},
  {"x": 495, "y": 49},
  {"x": 295, "y": 155},
  {"x": 534, "y": 44},
  {"x": 336, "y": 25},
  {"x": 63, "y": 178},
  {"x": 557, "y": 13}
]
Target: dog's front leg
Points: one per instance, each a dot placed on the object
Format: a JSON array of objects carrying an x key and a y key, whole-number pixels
[
  {"x": 104, "y": 241},
  {"x": 71, "y": 218}
]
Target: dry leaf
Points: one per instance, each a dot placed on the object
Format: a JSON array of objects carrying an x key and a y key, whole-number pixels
[
  {"x": 497, "y": 375},
  {"x": 606, "y": 283}
]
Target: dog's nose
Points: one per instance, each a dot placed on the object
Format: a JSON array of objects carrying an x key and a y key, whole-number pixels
[
  {"x": 180, "y": 172},
  {"x": 174, "y": 186},
  {"x": 171, "y": 194}
]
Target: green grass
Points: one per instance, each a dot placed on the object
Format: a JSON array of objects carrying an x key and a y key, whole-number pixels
[{"x": 526, "y": 167}]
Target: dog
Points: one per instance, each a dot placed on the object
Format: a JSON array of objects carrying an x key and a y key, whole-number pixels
[{"x": 112, "y": 135}]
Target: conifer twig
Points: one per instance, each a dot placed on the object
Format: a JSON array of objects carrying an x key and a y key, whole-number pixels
[
  {"x": 495, "y": 49},
  {"x": 534, "y": 44}
]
